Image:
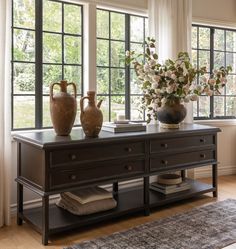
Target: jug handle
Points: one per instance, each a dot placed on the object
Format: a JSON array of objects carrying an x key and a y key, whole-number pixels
[
  {"x": 74, "y": 87},
  {"x": 51, "y": 90},
  {"x": 82, "y": 103}
]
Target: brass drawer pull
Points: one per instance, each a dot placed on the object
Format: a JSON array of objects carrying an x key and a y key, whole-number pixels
[
  {"x": 73, "y": 177},
  {"x": 73, "y": 157},
  {"x": 164, "y": 146},
  {"x": 128, "y": 167},
  {"x": 203, "y": 155},
  {"x": 202, "y": 140},
  {"x": 164, "y": 162},
  {"x": 128, "y": 149}
]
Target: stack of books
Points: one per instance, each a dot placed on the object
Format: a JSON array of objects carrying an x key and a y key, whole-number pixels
[
  {"x": 169, "y": 189},
  {"x": 123, "y": 127}
]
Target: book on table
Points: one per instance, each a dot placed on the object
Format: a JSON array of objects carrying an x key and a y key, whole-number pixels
[
  {"x": 118, "y": 128},
  {"x": 169, "y": 189}
]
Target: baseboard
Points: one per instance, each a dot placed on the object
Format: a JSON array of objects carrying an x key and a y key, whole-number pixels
[
  {"x": 38, "y": 202},
  {"x": 207, "y": 172}
]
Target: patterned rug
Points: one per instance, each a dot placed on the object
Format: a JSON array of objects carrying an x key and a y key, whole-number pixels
[{"x": 209, "y": 227}]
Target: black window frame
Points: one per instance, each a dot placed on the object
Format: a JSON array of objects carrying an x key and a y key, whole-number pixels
[
  {"x": 212, "y": 50},
  {"x": 127, "y": 95},
  {"x": 39, "y": 95}
]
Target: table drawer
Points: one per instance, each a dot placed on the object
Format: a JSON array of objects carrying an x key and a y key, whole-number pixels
[
  {"x": 160, "y": 145},
  {"x": 96, "y": 172},
  {"x": 181, "y": 159},
  {"x": 98, "y": 152}
]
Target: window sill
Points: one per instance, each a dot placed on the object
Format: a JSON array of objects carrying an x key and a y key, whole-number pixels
[{"x": 217, "y": 122}]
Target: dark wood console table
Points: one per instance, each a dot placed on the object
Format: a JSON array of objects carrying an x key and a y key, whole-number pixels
[{"x": 49, "y": 164}]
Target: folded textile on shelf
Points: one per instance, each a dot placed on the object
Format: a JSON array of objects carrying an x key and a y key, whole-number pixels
[
  {"x": 87, "y": 195},
  {"x": 92, "y": 207}
]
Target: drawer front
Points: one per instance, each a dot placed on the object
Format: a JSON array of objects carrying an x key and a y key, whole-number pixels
[
  {"x": 96, "y": 172},
  {"x": 181, "y": 159},
  {"x": 160, "y": 145},
  {"x": 98, "y": 152}
]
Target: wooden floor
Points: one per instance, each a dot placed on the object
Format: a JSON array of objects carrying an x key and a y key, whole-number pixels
[{"x": 24, "y": 237}]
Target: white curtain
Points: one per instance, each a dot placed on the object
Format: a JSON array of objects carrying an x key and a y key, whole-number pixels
[
  {"x": 5, "y": 112},
  {"x": 170, "y": 23}
]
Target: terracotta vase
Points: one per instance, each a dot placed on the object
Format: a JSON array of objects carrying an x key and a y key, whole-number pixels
[
  {"x": 63, "y": 108},
  {"x": 171, "y": 114},
  {"x": 91, "y": 117}
]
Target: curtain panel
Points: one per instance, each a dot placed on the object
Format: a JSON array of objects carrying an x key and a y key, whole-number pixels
[
  {"x": 5, "y": 111},
  {"x": 170, "y": 23}
]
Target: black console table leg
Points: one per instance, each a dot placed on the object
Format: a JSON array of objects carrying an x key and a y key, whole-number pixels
[
  {"x": 115, "y": 190},
  {"x": 214, "y": 179},
  {"x": 146, "y": 195},
  {"x": 45, "y": 219},
  {"x": 183, "y": 174},
  {"x": 19, "y": 203}
]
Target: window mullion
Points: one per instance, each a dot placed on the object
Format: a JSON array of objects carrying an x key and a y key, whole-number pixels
[
  {"x": 212, "y": 31},
  {"x": 127, "y": 68},
  {"x": 38, "y": 63}
]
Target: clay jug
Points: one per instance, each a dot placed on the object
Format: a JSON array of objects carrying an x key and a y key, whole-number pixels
[
  {"x": 91, "y": 117},
  {"x": 63, "y": 108}
]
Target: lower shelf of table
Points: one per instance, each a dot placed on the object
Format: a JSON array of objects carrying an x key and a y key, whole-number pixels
[{"x": 129, "y": 201}]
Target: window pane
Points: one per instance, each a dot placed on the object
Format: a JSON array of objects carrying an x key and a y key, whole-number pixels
[
  {"x": 204, "y": 59},
  {"x": 73, "y": 74},
  {"x": 51, "y": 74},
  {"x": 219, "y": 59},
  {"x": 136, "y": 29},
  {"x": 194, "y": 37},
  {"x": 24, "y": 78},
  {"x": 102, "y": 24},
  {"x": 24, "y": 13},
  {"x": 136, "y": 111},
  {"x": 231, "y": 106},
  {"x": 219, "y": 39},
  {"x": 231, "y": 41},
  {"x": 117, "y": 54},
  {"x": 77, "y": 118},
  {"x": 104, "y": 107},
  {"x": 117, "y": 26},
  {"x": 204, "y": 38},
  {"x": 102, "y": 80},
  {"x": 204, "y": 106},
  {"x": 24, "y": 112},
  {"x": 52, "y": 48},
  {"x": 138, "y": 48},
  {"x": 231, "y": 85},
  {"x": 72, "y": 19},
  {"x": 219, "y": 106},
  {"x": 231, "y": 60},
  {"x": 24, "y": 45},
  {"x": 102, "y": 53},
  {"x": 52, "y": 16},
  {"x": 117, "y": 106},
  {"x": 146, "y": 28},
  {"x": 135, "y": 85},
  {"x": 117, "y": 81},
  {"x": 72, "y": 50},
  {"x": 47, "y": 122},
  {"x": 195, "y": 104},
  {"x": 194, "y": 58}
]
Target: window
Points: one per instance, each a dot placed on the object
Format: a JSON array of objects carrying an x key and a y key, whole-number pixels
[
  {"x": 46, "y": 47},
  {"x": 116, "y": 82},
  {"x": 215, "y": 47}
]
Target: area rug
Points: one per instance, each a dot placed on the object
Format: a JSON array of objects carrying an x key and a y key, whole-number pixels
[{"x": 209, "y": 227}]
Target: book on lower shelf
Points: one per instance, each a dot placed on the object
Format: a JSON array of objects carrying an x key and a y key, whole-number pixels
[
  {"x": 170, "y": 189},
  {"x": 119, "y": 128}
]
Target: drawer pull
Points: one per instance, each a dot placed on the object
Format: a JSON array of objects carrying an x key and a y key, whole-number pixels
[
  {"x": 73, "y": 177},
  {"x": 203, "y": 155},
  {"x": 164, "y": 146},
  {"x": 73, "y": 157},
  {"x": 128, "y": 167},
  {"x": 128, "y": 149},
  {"x": 164, "y": 162},
  {"x": 202, "y": 140}
]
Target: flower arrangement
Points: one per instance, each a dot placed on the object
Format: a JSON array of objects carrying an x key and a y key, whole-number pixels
[{"x": 174, "y": 80}]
